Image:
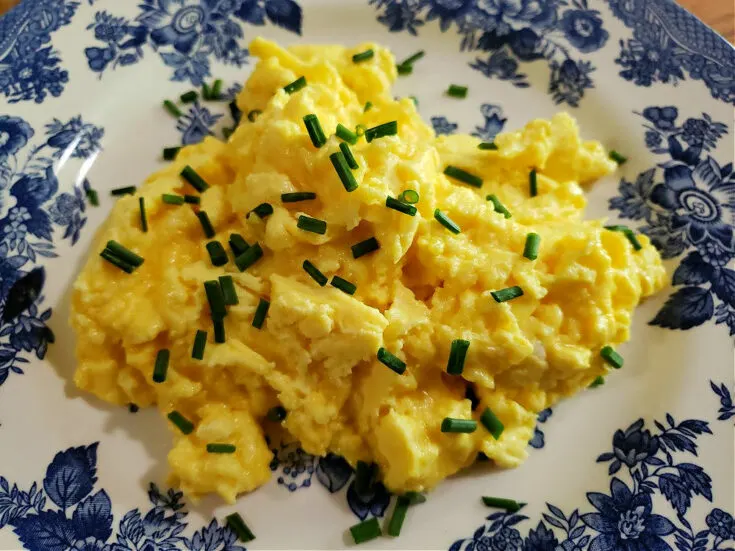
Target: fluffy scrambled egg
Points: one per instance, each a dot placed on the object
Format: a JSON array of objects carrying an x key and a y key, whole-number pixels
[{"x": 315, "y": 355}]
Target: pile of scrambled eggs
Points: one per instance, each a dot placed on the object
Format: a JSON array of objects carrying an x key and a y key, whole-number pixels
[{"x": 316, "y": 353}]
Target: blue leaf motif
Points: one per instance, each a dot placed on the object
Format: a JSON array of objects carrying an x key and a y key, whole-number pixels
[
  {"x": 71, "y": 475},
  {"x": 47, "y": 531},
  {"x": 723, "y": 285},
  {"x": 687, "y": 308},
  {"x": 333, "y": 472},
  {"x": 676, "y": 492},
  {"x": 693, "y": 270},
  {"x": 93, "y": 517},
  {"x": 284, "y": 13},
  {"x": 698, "y": 481}
]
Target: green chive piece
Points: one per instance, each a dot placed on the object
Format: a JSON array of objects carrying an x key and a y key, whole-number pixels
[
  {"x": 614, "y": 359},
  {"x": 339, "y": 162},
  {"x": 215, "y": 298},
  {"x": 399, "y": 515},
  {"x": 533, "y": 242},
  {"x": 487, "y": 146},
  {"x": 413, "y": 58},
  {"x": 313, "y": 225},
  {"x": 345, "y": 134},
  {"x": 509, "y": 293},
  {"x": 116, "y": 261},
  {"x": 216, "y": 89},
  {"x": 172, "y": 199},
  {"x": 297, "y": 196},
  {"x": 228, "y": 289},
  {"x": 492, "y": 423},
  {"x": 618, "y": 158},
  {"x": 235, "y": 112},
  {"x": 410, "y": 196},
  {"x": 169, "y": 153},
  {"x": 237, "y": 525},
  {"x": 189, "y": 97},
  {"x": 360, "y": 129},
  {"x": 365, "y": 247},
  {"x": 314, "y": 272},
  {"x": 391, "y": 361},
  {"x": 181, "y": 422},
  {"x": 238, "y": 244},
  {"x": 368, "y": 106},
  {"x": 260, "y": 313},
  {"x": 249, "y": 257},
  {"x": 206, "y": 91},
  {"x": 295, "y": 86},
  {"x": 510, "y": 505},
  {"x": 365, "y": 531},
  {"x": 276, "y": 414},
  {"x": 200, "y": 342},
  {"x": 450, "y": 424},
  {"x": 363, "y": 56},
  {"x": 206, "y": 224},
  {"x": 262, "y": 210},
  {"x": 161, "y": 366},
  {"x": 498, "y": 206},
  {"x": 143, "y": 215},
  {"x": 191, "y": 176},
  {"x": 381, "y": 131},
  {"x": 415, "y": 100},
  {"x": 128, "y": 190},
  {"x": 629, "y": 235},
  {"x": 93, "y": 197},
  {"x": 457, "y": 355},
  {"x": 349, "y": 157},
  {"x": 456, "y": 91},
  {"x": 219, "y": 330},
  {"x": 400, "y": 206},
  {"x": 221, "y": 448},
  {"x": 123, "y": 253},
  {"x": 463, "y": 176},
  {"x": 533, "y": 183},
  {"x": 170, "y": 106},
  {"x": 599, "y": 381},
  {"x": 404, "y": 69},
  {"x": 617, "y": 227},
  {"x": 414, "y": 498},
  {"x": 343, "y": 285},
  {"x": 192, "y": 199},
  {"x": 311, "y": 122},
  {"x": 447, "y": 222}
]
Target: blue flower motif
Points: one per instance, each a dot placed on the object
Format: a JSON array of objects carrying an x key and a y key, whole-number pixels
[
  {"x": 702, "y": 132},
  {"x": 196, "y": 124},
  {"x": 653, "y": 139},
  {"x": 507, "y": 539},
  {"x": 65, "y": 207},
  {"x": 15, "y": 228},
  {"x": 443, "y": 126},
  {"x": 183, "y": 27},
  {"x": 569, "y": 79},
  {"x": 84, "y": 138},
  {"x": 28, "y": 332},
  {"x": 509, "y": 15},
  {"x": 540, "y": 539},
  {"x": 91, "y": 544},
  {"x": 583, "y": 29},
  {"x": 663, "y": 118},
  {"x": 14, "y": 135},
  {"x": 721, "y": 524},
  {"x": 448, "y": 10},
  {"x": 634, "y": 445},
  {"x": 494, "y": 122}
]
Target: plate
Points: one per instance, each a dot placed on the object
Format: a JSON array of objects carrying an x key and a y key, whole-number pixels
[{"x": 644, "y": 462}]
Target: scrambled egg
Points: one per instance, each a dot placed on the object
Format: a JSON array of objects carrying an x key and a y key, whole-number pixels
[{"x": 425, "y": 287}]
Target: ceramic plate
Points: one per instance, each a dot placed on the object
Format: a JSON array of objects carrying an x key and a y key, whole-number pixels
[{"x": 643, "y": 463}]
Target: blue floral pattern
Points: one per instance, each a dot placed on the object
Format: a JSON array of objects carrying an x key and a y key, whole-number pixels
[
  {"x": 727, "y": 408},
  {"x": 187, "y": 34}
]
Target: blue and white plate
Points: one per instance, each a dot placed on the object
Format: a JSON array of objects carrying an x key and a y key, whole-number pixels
[{"x": 643, "y": 463}]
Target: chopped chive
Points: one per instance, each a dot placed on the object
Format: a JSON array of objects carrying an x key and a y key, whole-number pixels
[
  {"x": 295, "y": 86},
  {"x": 117, "y": 261},
  {"x": 297, "y": 196},
  {"x": 237, "y": 525},
  {"x": 161, "y": 366},
  {"x": 599, "y": 381},
  {"x": 492, "y": 423},
  {"x": 191, "y": 176},
  {"x": 456, "y": 91},
  {"x": 498, "y": 206},
  {"x": 216, "y": 90},
  {"x": 533, "y": 183},
  {"x": 463, "y": 176},
  {"x": 254, "y": 114},
  {"x": 410, "y": 196},
  {"x": 215, "y": 298},
  {"x": 391, "y": 361},
  {"x": 450, "y": 424},
  {"x": 368, "y": 106},
  {"x": 415, "y": 100},
  {"x": 457, "y": 355},
  {"x": 238, "y": 244},
  {"x": 276, "y": 414},
  {"x": 249, "y": 257},
  {"x": 235, "y": 112},
  {"x": 614, "y": 359},
  {"x": 262, "y": 210},
  {"x": 400, "y": 206},
  {"x": 339, "y": 162},
  {"x": 170, "y": 106},
  {"x": 125, "y": 254},
  {"x": 189, "y": 97},
  {"x": 260, "y": 313},
  {"x": 404, "y": 69},
  {"x": 93, "y": 197},
  {"x": 510, "y": 505},
  {"x": 133, "y": 408},
  {"x": 363, "y": 56},
  {"x": 343, "y": 285},
  {"x": 365, "y": 247},
  {"x": 345, "y": 134},
  {"x": 228, "y": 290},
  {"x": 192, "y": 199},
  {"x": 617, "y": 227},
  {"x": 414, "y": 498},
  {"x": 349, "y": 157},
  {"x": 618, "y": 158},
  {"x": 360, "y": 129},
  {"x": 365, "y": 531},
  {"x": 181, "y": 422},
  {"x": 206, "y": 91},
  {"x": 629, "y": 235},
  {"x": 413, "y": 58},
  {"x": 447, "y": 222},
  {"x": 399, "y": 515},
  {"x": 487, "y": 146},
  {"x": 533, "y": 241},
  {"x": 219, "y": 330},
  {"x": 504, "y": 295},
  {"x": 128, "y": 190},
  {"x": 143, "y": 215},
  {"x": 315, "y": 274},
  {"x": 169, "y": 153},
  {"x": 381, "y": 131},
  {"x": 200, "y": 342},
  {"x": 172, "y": 199},
  {"x": 313, "y": 225},
  {"x": 206, "y": 224},
  {"x": 221, "y": 448},
  {"x": 311, "y": 122}
]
